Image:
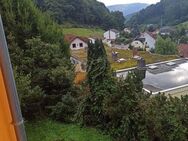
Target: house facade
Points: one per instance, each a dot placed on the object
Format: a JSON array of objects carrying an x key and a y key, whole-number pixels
[
  {"x": 127, "y": 30},
  {"x": 150, "y": 39},
  {"x": 137, "y": 44},
  {"x": 92, "y": 40},
  {"x": 76, "y": 42},
  {"x": 111, "y": 34}
]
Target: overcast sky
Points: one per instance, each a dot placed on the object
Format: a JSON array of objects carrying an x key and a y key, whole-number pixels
[{"x": 112, "y": 2}]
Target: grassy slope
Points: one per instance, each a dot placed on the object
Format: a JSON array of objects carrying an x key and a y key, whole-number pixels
[
  {"x": 48, "y": 130},
  {"x": 85, "y": 32},
  {"x": 127, "y": 54},
  {"x": 184, "y": 25}
]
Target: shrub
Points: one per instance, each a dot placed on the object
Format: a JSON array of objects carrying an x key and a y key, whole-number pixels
[
  {"x": 64, "y": 110},
  {"x": 30, "y": 96}
]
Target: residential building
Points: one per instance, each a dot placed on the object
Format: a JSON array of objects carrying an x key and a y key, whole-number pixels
[
  {"x": 169, "y": 77},
  {"x": 150, "y": 39},
  {"x": 183, "y": 50},
  {"x": 127, "y": 30},
  {"x": 111, "y": 34},
  {"x": 76, "y": 42},
  {"x": 92, "y": 39},
  {"x": 139, "y": 43},
  {"x": 167, "y": 30}
]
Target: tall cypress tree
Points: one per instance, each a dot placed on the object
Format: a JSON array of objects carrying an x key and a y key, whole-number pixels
[
  {"x": 99, "y": 82},
  {"x": 98, "y": 66}
]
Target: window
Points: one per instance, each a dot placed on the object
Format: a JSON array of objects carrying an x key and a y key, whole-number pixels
[
  {"x": 74, "y": 45},
  {"x": 81, "y": 44}
]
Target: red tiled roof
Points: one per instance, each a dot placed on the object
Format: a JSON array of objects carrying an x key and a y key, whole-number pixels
[
  {"x": 69, "y": 38},
  {"x": 183, "y": 50}
]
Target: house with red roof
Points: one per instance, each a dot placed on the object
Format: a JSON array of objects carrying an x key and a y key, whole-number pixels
[
  {"x": 183, "y": 50},
  {"x": 76, "y": 42},
  {"x": 150, "y": 39}
]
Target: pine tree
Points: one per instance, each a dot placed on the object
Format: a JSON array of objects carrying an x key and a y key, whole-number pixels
[
  {"x": 100, "y": 85},
  {"x": 97, "y": 66}
]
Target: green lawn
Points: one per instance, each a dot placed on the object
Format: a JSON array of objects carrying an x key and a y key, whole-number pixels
[
  {"x": 85, "y": 32},
  {"x": 48, "y": 130},
  {"x": 127, "y": 54}
]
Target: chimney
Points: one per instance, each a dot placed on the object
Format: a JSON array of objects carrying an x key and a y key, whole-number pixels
[
  {"x": 141, "y": 68},
  {"x": 141, "y": 63},
  {"x": 135, "y": 52}
]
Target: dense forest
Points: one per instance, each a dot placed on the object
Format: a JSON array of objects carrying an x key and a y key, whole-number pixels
[
  {"x": 166, "y": 12},
  {"x": 82, "y": 13}
]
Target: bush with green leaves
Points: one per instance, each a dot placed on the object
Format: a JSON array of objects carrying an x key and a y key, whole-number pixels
[
  {"x": 165, "y": 46},
  {"x": 38, "y": 51},
  {"x": 49, "y": 69},
  {"x": 65, "y": 110},
  {"x": 31, "y": 97},
  {"x": 133, "y": 115},
  {"x": 122, "y": 108}
]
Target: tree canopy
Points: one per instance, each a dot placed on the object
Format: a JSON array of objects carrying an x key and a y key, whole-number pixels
[
  {"x": 82, "y": 13},
  {"x": 39, "y": 55},
  {"x": 166, "y": 12},
  {"x": 44, "y": 78},
  {"x": 165, "y": 46}
]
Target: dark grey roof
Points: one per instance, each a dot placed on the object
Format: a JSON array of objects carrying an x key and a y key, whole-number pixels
[
  {"x": 167, "y": 29},
  {"x": 165, "y": 75},
  {"x": 142, "y": 40}
]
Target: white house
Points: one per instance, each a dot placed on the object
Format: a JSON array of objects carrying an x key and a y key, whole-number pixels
[
  {"x": 111, "y": 34},
  {"x": 150, "y": 39},
  {"x": 92, "y": 40},
  {"x": 127, "y": 30},
  {"x": 76, "y": 42},
  {"x": 138, "y": 44}
]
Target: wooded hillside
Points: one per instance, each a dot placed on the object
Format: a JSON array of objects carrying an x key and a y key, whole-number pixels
[
  {"x": 82, "y": 13},
  {"x": 166, "y": 12}
]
